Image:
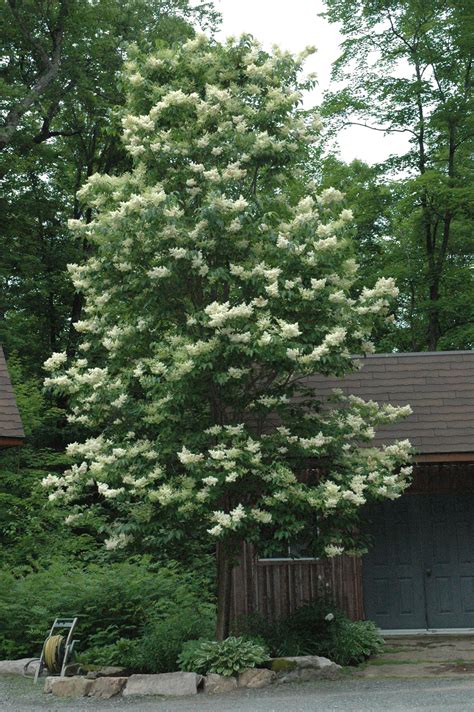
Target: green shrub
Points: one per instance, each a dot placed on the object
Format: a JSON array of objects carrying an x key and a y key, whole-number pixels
[
  {"x": 162, "y": 640},
  {"x": 352, "y": 642},
  {"x": 302, "y": 633},
  {"x": 259, "y": 629},
  {"x": 123, "y": 652},
  {"x": 308, "y": 629},
  {"x": 228, "y": 657},
  {"x": 187, "y": 656}
]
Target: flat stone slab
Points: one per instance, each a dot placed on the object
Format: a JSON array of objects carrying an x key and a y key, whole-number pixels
[
  {"x": 68, "y": 686},
  {"x": 402, "y": 670},
  {"x": 255, "y": 678},
  {"x": 48, "y": 685},
  {"x": 107, "y": 687},
  {"x": 16, "y": 667},
  {"x": 310, "y": 661},
  {"x": 421, "y": 656},
  {"x": 168, "y": 684},
  {"x": 425, "y": 649},
  {"x": 215, "y": 684},
  {"x": 304, "y": 667}
]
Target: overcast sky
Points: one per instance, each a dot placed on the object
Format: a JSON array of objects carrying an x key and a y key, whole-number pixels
[{"x": 294, "y": 24}]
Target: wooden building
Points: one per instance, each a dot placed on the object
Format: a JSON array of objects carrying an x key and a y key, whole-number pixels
[
  {"x": 419, "y": 573},
  {"x": 11, "y": 428}
]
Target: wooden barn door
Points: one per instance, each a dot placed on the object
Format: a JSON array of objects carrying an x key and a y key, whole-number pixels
[
  {"x": 394, "y": 596},
  {"x": 448, "y": 545},
  {"x": 420, "y": 571}
]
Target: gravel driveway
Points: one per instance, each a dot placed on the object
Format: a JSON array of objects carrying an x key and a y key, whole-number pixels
[{"x": 346, "y": 695}]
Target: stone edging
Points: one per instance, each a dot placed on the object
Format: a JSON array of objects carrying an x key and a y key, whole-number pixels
[{"x": 111, "y": 682}]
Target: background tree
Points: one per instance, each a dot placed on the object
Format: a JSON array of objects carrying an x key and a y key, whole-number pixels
[
  {"x": 407, "y": 67},
  {"x": 219, "y": 280},
  {"x": 61, "y": 95}
]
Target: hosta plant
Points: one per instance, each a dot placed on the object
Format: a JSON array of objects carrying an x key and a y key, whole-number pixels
[{"x": 227, "y": 657}]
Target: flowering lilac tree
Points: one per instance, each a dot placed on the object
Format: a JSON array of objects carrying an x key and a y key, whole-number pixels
[{"x": 219, "y": 280}]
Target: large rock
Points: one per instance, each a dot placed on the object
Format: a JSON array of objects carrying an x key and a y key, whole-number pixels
[
  {"x": 16, "y": 667},
  {"x": 304, "y": 667},
  {"x": 107, "y": 687},
  {"x": 172, "y": 684},
  {"x": 48, "y": 685},
  {"x": 68, "y": 686},
  {"x": 213, "y": 683},
  {"x": 256, "y": 677}
]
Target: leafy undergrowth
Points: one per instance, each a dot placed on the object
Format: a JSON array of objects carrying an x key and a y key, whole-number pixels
[
  {"x": 316, "y": 629},
  {"x": 133, "y": 613}
]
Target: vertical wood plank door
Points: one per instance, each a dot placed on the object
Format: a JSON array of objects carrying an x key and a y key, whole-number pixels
[
  {"x": 448, "y": 546},
  {"x": 394, "y": 596}
]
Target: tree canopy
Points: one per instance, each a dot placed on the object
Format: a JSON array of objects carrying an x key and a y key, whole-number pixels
[{"x": 220, "y": 278}]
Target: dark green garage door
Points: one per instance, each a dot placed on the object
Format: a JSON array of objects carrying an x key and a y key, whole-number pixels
[{"x": 420, "y": 570}]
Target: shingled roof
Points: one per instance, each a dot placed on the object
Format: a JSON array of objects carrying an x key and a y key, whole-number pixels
[
  {"x": 439, "y": 386},
  {"x": 11, "y": 428}
]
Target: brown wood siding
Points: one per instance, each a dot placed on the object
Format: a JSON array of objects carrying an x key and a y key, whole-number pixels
[{"x": 275, "y": 588}]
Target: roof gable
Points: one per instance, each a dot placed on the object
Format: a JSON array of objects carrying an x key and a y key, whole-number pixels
[
  {"x": 10, "y": 422},
  {"x": 439, "y": 386}
]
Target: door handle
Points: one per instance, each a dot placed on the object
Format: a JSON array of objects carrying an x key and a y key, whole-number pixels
[{"x": 428, "y": 572}]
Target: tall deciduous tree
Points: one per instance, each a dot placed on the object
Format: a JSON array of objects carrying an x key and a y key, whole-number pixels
[
  {"x": 220, "y": 280},
  {"x": 408, "y": 67}
]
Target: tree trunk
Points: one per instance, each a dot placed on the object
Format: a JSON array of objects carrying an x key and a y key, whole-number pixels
[
  {"x": 224, "y": 590},
  {"x": 434, "y": 330}
]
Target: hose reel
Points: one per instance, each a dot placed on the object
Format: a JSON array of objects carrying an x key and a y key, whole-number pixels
[
  {"x": 57, "y": 648},
  {"x": 53, "y": 653}
]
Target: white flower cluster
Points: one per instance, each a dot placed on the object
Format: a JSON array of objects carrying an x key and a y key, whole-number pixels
[
  {"x": 186, "y": 457},
  {"x": 119, "y": 541},
  {"x": 220, "y": 313},
  {"x": 55, "y": 361},
  {"x": 204, "y": 305},
  {"x": 332, "y": 550},
  {"x": 227, "y": 520}
]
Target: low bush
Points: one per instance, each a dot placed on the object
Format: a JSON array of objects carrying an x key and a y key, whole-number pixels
[
  {"x": 162, "y": 641},
  {"x": 229, "y": 657},
  {"x": 315, "y": 629},
  {"x": 352, "y": 642}
]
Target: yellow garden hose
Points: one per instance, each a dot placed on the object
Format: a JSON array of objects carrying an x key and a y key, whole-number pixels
[{"x": 53, "y": 654}]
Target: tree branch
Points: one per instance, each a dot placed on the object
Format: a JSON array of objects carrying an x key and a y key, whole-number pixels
[
  {"x": 48, "y": 69},
  {"x": 411, "y": 48},
  {"x": 45, "y": 131},
  {"x": 388, "y": 129}
]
